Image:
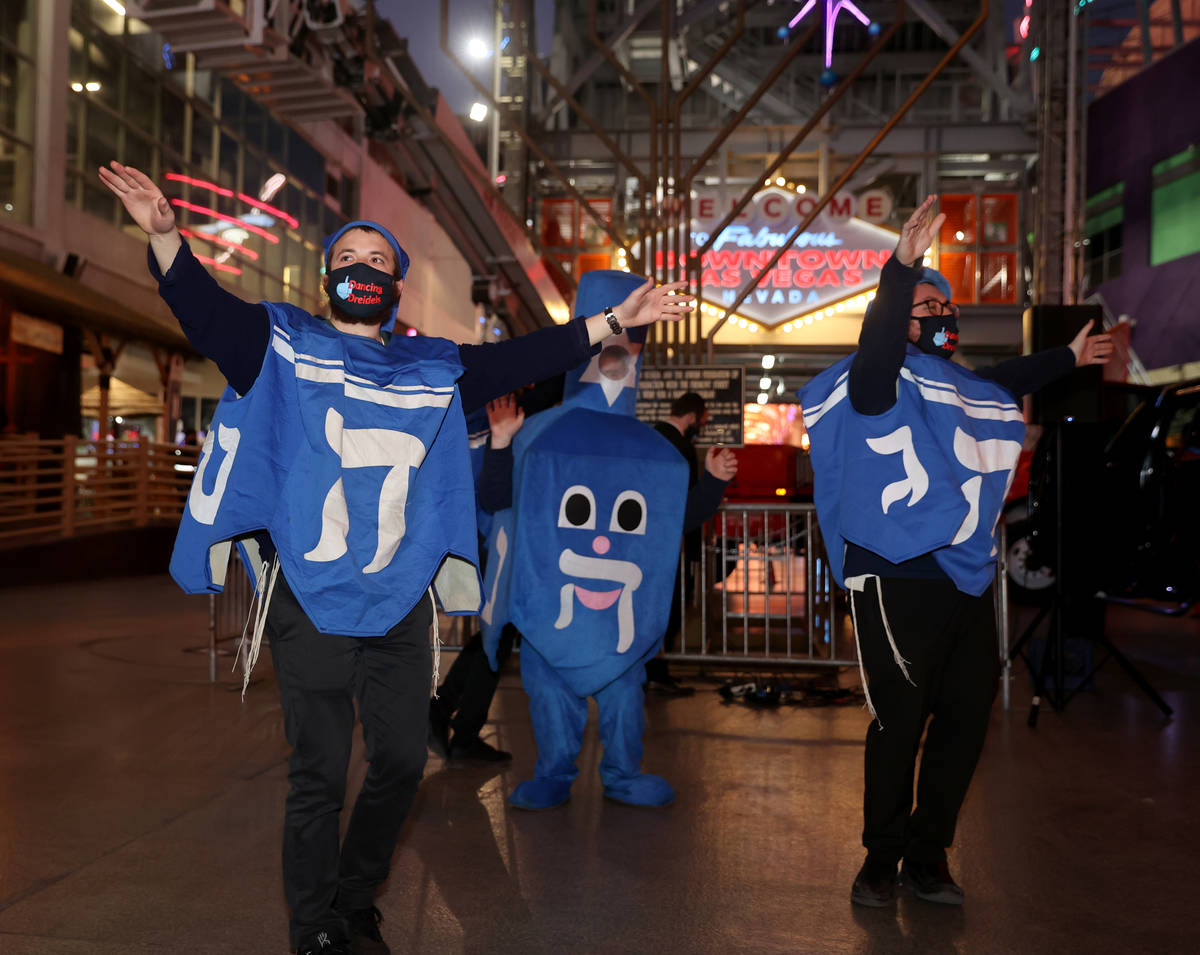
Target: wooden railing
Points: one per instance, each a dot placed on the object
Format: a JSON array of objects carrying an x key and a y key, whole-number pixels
[{"x": 59, "y": 488}]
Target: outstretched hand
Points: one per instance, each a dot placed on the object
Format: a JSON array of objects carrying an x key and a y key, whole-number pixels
[
  {"x": 505, "y": 418},
  {"x": 916, "y": 235},
  {"x": 721, "y": 463},
  {"x": 143, "y": 200},
  {"x": 647, "y": 304},
  {"x": 1091, "y": 349}
]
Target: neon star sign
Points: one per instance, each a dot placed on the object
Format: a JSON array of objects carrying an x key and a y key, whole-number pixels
[{"x": 832, "y": 9}]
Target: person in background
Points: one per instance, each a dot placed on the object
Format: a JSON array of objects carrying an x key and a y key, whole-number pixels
[
  {"x": 912, "y": 456},
  {"x": 688, "y": 416},
  {"x": 462, "y": 701}
]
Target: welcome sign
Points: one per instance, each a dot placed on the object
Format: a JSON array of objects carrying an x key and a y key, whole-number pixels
[{"x": 838, "y": 256}]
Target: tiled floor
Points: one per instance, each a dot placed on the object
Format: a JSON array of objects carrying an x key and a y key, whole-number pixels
[{"x": 140, "y": 811}]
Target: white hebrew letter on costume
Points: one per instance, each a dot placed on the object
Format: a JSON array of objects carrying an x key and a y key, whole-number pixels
[
  {"x": 204, "y": 507},
  {"x": 983, "y": 457},
  {"x": 916, "y": 480},
  {"x": 397, "y": 451}
]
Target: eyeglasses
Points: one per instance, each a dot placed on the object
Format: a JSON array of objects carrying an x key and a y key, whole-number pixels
[{"x": 935, "y": 308}]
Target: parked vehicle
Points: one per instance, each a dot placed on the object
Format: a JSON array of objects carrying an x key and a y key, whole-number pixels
[{"x": 1130, "y": 508}]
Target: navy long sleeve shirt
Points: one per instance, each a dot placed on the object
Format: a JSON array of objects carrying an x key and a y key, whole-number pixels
[{"x": 235, "y": 334}]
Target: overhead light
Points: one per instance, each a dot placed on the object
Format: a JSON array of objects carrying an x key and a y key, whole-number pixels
[
  {"x": 801, "y": 188},
  {"x": 91, "y": 86},
  {"x": 77, "y": 87},
  {"x": 478, "y": 112},
  {"x": 115, "y": 7},
  {"x": 960, "y": 235},
  {"x": 764, "y": 383},
  {"x": 477, "y": 49},
  {"x": 779, "y": 387},
  {"x": 763, "y": 398},
  {"x": 780, "y": 181},
  {"x": 768, "y": 361}
]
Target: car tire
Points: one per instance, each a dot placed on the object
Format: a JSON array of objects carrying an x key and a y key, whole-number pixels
[{"x": 1026, "y": 584}]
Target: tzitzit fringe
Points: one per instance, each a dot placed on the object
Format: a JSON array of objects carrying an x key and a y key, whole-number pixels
[
  {"x": 857, "y": 585},
  {"x": 249, "y": 655},
  {"x": 437, "y": 645}
]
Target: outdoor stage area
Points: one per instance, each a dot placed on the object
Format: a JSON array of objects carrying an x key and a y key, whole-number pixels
[{"x": 141, "y": 809}]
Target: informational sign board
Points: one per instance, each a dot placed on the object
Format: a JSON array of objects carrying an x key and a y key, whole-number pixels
[
  {"x": 839, "y": 255},
  {"x": 723, "y": 388}
]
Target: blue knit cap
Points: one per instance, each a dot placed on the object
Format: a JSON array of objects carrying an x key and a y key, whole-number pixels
[
  {"x": 401, "y": 255},
  {"x": 937, "y": 280}
]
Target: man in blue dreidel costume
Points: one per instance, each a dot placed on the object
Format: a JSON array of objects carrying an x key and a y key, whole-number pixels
[
  {"x": 913, "y": 456},
  {"x": 587, "y": 560},
  {"x": 337, "y": 461}
]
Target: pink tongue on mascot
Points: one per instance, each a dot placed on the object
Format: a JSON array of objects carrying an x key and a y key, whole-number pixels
[{"x": 594, "y": 600}]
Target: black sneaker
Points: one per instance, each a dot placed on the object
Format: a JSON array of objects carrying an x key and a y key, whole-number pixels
[
  {"x": 364, "y": 932},
  {"x": 669, "y": 687},
  {"x": 875, "y": 884},
  {"x": 322, "y": 943},
  {"x": 439, "y": 729},
  {"x": 477, "y": 751},
  {"x": 932, "y": 882}
]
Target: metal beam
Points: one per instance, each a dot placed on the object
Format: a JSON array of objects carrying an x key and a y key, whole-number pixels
[{"x": 985, "y": 73}]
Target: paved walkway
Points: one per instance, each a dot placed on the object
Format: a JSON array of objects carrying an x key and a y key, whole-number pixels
[{"x": 140, "y": 811}]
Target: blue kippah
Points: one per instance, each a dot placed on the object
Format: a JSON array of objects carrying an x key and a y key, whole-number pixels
[
  {"x": 937, "y": 280},
  {"x": 401, "y": 255}
]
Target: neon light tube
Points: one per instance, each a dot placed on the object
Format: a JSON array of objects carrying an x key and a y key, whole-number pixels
[
  {"x": 203, "y": 184},
  {"x": 221, "y": 240},
  {"x": 277, "y": 213},
  {"x": 203, "y": 210},
  {"x": 220, "y": 266}
]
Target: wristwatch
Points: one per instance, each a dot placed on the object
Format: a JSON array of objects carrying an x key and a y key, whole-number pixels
[{"x": 611, "y": 317}]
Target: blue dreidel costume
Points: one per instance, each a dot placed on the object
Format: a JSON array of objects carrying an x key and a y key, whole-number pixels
[{"x": 584, "y": 565}]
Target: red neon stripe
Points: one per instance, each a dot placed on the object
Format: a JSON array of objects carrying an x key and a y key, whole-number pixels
[
  {"x": 220, "y": 266},
  {"x": 203, "y": 184},
  {"x": 219, "y": 240},
  {"x": 224, "y": 218},
  {"x": 278, "y": 213}
]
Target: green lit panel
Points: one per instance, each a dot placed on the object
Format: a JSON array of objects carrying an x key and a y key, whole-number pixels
[{"x": 1175, "y": 219}]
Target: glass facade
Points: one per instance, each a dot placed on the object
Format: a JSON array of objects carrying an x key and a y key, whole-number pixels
[
  {"x": 250, "y": 194},
  {"x": 18, "y": 75},
  {"x": 1103, "y": 228}
]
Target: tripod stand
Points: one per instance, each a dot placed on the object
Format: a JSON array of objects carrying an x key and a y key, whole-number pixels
[{"x": 1049, "y": 673}]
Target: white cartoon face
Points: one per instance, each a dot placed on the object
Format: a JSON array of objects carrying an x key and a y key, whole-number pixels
[{"x": 623, "y": 523}]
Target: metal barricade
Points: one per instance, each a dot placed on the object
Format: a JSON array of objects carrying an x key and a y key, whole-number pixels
[{"x": 765, "y": 594}]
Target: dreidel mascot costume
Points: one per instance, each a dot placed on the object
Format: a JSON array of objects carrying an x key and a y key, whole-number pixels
[{"x": 584, "y": 564}]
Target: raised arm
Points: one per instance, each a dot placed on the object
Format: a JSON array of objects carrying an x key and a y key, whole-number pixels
[
  {"x": 232, "y": 332},
  {"x": 1030, "y": 373},
  {"x": 884, "y": 336},
  {"x": 497, "y": 368}
]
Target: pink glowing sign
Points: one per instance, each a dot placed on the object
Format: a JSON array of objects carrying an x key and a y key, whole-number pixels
[{"x": 832, "y": 9}]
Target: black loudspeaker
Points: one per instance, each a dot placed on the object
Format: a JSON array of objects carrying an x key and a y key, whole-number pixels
[{"x": 1074, "y": 397}]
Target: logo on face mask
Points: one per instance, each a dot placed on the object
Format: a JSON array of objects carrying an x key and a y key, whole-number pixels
[
  {"x": 361, "y": 291},
  {"x": 938, "y": 337}
]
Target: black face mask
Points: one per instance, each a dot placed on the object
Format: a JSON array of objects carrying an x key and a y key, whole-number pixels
[
  {"x": 939, "y": 336},
  {"x": 362, "y": 294},
  {"x": 691, "y": 433}
]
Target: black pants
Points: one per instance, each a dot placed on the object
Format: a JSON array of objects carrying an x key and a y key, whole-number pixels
[
  {"x": 657, "y": 668},
  {"x": 320, "y": 677},
  {"x": 949, "y": 640},
  {"x": 466, "y": 694}
]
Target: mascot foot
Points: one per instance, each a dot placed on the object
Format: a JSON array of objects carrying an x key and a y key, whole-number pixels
[
  {"x": 644, "y": 790},
  {"x": 534, "y": 794}
]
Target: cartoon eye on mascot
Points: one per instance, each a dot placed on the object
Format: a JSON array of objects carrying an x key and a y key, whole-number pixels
[{"x": 584, "y": 565}]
